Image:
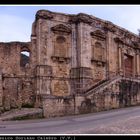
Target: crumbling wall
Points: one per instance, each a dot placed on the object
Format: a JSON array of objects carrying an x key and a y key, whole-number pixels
[
  {"x": 17, "y": 82},
  {"x": 10, "y": 54}
]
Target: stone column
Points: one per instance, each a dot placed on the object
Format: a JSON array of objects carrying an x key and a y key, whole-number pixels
[
  {"x": 1, "y": 90},
  {"x": 120, "y": 60},
  {"x": 38, "y": 60},
  {"x": 39, "y": 43},
  {"x": 107, "y": 53},
  {"x": 79, "y": 42},
  {"x": 137, "y": 63},
  {"x": 134, "y": 65},
  {"x": 78, "y": 81}
]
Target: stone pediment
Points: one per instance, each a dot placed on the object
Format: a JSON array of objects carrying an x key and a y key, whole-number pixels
[
  {"x": 44, "y": 14},
  {"x": 130, "y": 43},
  {"x": 61, "y": 28},
  {"x": 81, "y": 17},
  {"x": 99, "y": 34}
]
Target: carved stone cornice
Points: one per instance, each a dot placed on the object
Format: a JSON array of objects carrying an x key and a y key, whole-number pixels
[
  {"x": 109, "y": 26},
  {"x": 128, "y": 35},
  {"x": 99, "y": 34},
  {"x": 44, "y": 14},
  {"x": 118, "y": 40},
  {"x": 81, "y": 17},
  {"x": 132, "y": 44},
  {"x": 61, "y": 28},
  {"x": 135, "y": 44},
  {"x": 128, "y": 42}
]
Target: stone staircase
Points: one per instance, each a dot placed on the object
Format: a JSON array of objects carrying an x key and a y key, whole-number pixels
[
  {"x": 100, "y": 86},
  {"x": 109, "y": 94}
]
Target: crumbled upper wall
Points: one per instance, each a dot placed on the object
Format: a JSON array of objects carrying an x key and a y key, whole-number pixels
[
  {"x": 90, "y": 19},
  {"x": 10, "y": 55}
]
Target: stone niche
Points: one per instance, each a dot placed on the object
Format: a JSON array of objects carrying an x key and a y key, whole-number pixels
[
  {"x": 98, "y": 48},
  {"x": 61, "y": 43}
]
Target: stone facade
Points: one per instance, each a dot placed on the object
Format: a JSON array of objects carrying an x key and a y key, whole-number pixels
[{"x": 76, "y": 64}]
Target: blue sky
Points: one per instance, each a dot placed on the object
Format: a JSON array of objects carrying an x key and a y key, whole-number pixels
[{"x": 16, "y": 21}]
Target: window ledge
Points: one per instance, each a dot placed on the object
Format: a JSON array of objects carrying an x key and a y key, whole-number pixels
[
  {"x": 60, "y": 59},
  {"x": 98, "y": 62}
]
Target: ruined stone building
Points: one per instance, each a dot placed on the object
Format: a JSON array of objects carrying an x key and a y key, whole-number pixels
[{"x": 75, "y": 64}]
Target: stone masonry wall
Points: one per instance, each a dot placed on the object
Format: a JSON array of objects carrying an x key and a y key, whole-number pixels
[
  {"x": 70, "y": 55},
  {"x": 82, "y": 51},
  {"x": 17, "y": 83}
]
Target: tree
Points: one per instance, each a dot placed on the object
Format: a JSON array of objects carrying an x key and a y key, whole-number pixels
[{"x": 139, "y": 32}]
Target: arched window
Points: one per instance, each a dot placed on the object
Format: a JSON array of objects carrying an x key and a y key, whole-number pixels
[
  {"x": 60, "y": 46},
  {"x": 24, "y": 58}
]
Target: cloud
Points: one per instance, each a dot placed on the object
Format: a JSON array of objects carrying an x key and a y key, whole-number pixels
[
  {"x": 14, "y": 28},
  {"x": 16, "y": 22},
  {"x": 124, "y": 16},
  {"x": 129, "y": 18}
]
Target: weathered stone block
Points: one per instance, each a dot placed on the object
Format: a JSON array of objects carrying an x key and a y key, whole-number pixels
[{"x": 54, "y": 107}]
